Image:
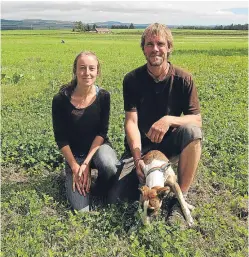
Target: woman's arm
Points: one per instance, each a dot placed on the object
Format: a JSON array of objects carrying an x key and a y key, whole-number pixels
[
  {"x": 97, "y": 142},
  {"x": 85, "y": 166},
  {"x": 68, "y": 155},
  {"x": 58, "y": 119},
  {"x": 75, "y": 167},
  {"x": 105, "y": 102}
]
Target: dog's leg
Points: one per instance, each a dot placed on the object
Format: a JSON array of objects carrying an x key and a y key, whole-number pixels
[
  {"x": 190, "y": 206},
  {"x": 145, "y": 217},
  {"x": 171, "y": 181},
  {"x": 144, "y": 201},
  {"x": 183, "y": 204}
]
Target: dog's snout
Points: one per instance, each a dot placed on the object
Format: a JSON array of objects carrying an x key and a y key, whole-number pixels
[{"x": 150, "y": 211}]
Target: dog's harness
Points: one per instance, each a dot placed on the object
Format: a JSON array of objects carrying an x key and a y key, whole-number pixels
[{"x": 161, "y": 168}]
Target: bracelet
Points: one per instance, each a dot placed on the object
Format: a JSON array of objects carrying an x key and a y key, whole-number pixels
[{"x": 137, "y": 160}]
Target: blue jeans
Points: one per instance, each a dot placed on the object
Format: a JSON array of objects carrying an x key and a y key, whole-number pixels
[{"x": 104, "y": 160}]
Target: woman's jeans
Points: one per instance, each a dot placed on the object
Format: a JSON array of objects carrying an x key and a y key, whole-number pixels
[{"x": 104, "y": 160}]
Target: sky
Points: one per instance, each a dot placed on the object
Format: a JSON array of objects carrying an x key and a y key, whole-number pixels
[{"x": 138, "y": 12}]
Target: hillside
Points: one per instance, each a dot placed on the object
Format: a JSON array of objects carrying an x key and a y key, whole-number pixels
[{"x": 55, "y": 24}]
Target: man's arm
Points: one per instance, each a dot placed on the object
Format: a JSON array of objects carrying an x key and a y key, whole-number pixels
[
  {"x": 134, "y": 141},
  {"x": 160, "y": 127},
  {"x": 175, "y": 122},
  {"x": 133, "y": 134}
]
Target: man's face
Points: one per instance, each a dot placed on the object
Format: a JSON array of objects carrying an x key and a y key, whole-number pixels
[{"x": 155, "y": 50}]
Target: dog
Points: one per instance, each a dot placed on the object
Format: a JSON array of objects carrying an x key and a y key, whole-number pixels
[{"x": 160, "y": 181}]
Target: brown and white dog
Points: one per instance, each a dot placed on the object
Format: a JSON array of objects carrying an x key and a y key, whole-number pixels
[{"x": 160, "y": 180}]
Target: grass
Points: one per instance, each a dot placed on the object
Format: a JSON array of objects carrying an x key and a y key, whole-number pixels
[{"x": 36, "y": 218}]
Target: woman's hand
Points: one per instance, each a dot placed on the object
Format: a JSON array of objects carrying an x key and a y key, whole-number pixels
[
  {"x": 85, "y": 177},
  {"x": 77, "y": 181}
]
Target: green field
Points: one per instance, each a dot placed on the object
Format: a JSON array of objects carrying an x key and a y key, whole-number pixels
[{"x": 36, "y": 219}]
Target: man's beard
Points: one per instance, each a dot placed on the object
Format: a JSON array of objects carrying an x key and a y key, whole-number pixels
[{"x": 157, "y": 62}]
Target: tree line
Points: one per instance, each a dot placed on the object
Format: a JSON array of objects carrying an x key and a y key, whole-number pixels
[
  {"x": 131, "y": 26},
  {"x": 218, "y": 27},
  {"x": 80, "y": 26}
]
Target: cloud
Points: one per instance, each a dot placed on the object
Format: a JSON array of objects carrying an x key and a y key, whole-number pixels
[
  {"x": 34, "y": 6},
  {"x": 169, "y": 12}
]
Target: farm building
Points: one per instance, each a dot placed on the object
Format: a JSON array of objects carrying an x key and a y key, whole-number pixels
[{"x": 102, "y": 30}]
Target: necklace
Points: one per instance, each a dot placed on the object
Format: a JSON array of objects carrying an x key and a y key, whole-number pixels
[
  {"x": 83, "y": 101},
  {"x": 157, "y": 78},
  {"x": 79, "y": 99}
]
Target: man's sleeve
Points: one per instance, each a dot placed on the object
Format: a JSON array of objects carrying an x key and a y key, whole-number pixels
[
  {"x": 129, "y": 94},
  {"x": 191, "y": 100}
]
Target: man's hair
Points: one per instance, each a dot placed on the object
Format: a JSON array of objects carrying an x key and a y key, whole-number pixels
[{"x": 158, "y": 29}]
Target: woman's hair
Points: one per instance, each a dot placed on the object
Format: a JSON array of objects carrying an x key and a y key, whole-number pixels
[
  {"x": 161, "y": 30},
  {"x": 89, "y": 53}
]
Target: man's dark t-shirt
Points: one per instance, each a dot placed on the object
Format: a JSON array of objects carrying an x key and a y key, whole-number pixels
[{"x": 175, "y": 95}]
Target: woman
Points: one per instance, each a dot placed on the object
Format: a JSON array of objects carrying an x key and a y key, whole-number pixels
[{"x": 80, "y": 114}]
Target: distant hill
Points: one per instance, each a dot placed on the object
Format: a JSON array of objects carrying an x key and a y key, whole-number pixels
[
  {"x": 109, "y": 24},
  {"x": 35, "y": 24},
  {"x": 55, "y": 24}
]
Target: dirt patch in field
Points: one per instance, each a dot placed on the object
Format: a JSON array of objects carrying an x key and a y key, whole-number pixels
[{"x": 13, "y": 174}]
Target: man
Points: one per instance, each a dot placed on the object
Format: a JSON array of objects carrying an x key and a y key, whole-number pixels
[{"x": 162, "y": 110}]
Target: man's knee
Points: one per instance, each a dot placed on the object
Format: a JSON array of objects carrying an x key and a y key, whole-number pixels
[
  {"x": 106, "y": 160},
  {"x": 191, "y": 132},
  {"x": 173, "y": 145}
]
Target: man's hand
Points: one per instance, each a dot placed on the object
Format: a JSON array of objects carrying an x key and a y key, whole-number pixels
[
  {"x": 139, "y": 169},
  {"x": 158, "y": 130}
]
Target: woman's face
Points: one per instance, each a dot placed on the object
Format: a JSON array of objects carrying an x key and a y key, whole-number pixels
[{"x": 86, "y": 70}]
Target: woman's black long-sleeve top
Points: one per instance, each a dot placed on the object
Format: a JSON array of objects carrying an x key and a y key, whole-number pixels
[{"x": 78, "y": 127}]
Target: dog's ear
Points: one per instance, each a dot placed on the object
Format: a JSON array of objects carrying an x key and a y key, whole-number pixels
[
  {"x": 156, "y": 187},
  {"x": 152, "y": 193},
  {"x": 163, "y": 192},
  {"x": 144, "y": 191}
]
